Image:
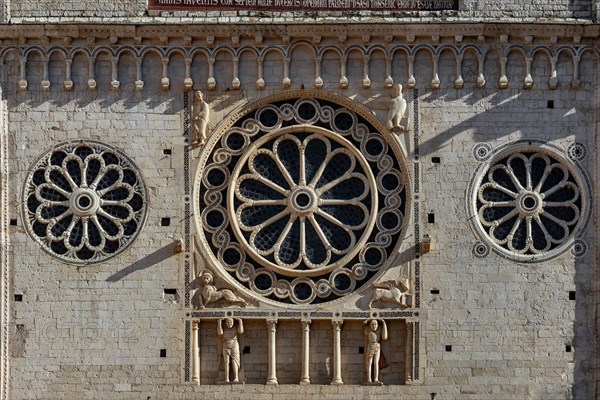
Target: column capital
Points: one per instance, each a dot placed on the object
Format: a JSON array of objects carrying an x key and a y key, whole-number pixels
[
  {"x": 272, "y": 323},
  {"x": 337, "y": 323}
]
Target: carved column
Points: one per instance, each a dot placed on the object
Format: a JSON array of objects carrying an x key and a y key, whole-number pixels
[
  {"x": 528, "y": 82},
  {"x": 45, "y": 73},
  {"x": 91, "y": 75},
  {"x": 435, "y": 79},
  {"x": 344, "y": 78},
  {"x": 412, "y": 352},
  {"x": 260, "y": 82},
  {"x": 235, "y": 83},
  {"x": 480, "y": 77},
  {"x": 211, "y": 83},
  {"x": 408, "y": 351},
  {"x": 195, "y": 352},
  {"x": 411, "y": 77},
  {"x": 287, "y": 82},
  {"x": 139, "y": 83},
  {"x": 188, "y": 83},
  {"x": 114, "y": 82},
  {"x": 337, "y": 353},
  {"x": 68, "y": 83},
  {"x": 366, "y": 79},
  {"x": 305, "y": 379},
  {"x": 23, "y": 80},
  {"x": 164, "y": 81},
  {"x": 272, "y": 378},
  {"x": 503, "y": 83}
]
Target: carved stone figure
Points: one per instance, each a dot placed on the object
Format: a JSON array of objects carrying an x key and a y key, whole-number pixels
[
  {"x": 373, "y": 336},
  {"x": 231, "y": 347},
  {"x": 201, "y": 113},
  {"x": 396, "y": 111},
  {"x": 210, "y": 294},
  {"x": 393, "y": 291}
]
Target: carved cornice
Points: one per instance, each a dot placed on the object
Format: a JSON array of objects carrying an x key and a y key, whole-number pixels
[{"x": 246, "y": 33}]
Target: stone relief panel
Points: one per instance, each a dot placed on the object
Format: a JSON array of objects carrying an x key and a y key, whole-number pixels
[
  {"x": 530, "y": 203},
  {"x": 84, "y": 202},
  {"x": 207, "y": 294},
  {"x": 301, "y": 201}
]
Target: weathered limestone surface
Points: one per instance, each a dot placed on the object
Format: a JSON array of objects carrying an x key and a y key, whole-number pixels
[
  {"x": 490, "y": 327},
  {"x": 47, "y": 11}
]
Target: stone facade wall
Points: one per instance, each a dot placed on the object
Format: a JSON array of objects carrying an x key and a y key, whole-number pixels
[
  {"x": 490, "y": 327},
  {"x": 45, "y": 11}
]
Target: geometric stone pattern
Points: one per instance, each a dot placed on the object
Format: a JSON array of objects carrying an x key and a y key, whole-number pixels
[
  {"x": 302, "y": 201},
  {"x": 529, "y": 204},
  {"x": 84, "y": 201}
]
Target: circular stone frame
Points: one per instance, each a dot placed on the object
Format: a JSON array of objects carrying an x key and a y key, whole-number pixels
[
  {"x": 84, "y": 201},
  {"x": 252, "y": 131},
  {"x": 528, "y": 206}
]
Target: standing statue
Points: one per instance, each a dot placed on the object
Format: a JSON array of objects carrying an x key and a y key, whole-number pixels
[
  {"x": 396, "y": 111},
  {"x": 201, "y": 113},
  {"x": 209, "y": 292},
  {"x": 373, "y": 336},
  {"x": 231, "y": 346}
]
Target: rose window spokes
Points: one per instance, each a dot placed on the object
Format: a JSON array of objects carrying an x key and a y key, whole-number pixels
[
  {"x": 85, "y": 202},
  {"x": 529, "y": 203},
  {"x": 304, "y": 202},
  {"x": 300, "y": 201}
]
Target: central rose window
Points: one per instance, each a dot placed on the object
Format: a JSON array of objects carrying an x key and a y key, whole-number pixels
[
  {"x": 300, "y": 201},
  {"x": 303, "y": 200}
]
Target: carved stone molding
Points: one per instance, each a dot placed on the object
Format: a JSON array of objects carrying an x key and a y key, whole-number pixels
[{"x": 200, "y": 54}]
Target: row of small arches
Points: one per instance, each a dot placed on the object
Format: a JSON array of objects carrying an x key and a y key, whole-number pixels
[{"x": 265, "y": 62}]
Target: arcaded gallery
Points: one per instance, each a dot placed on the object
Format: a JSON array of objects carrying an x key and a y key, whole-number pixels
[{"x": 299, "y": 199}]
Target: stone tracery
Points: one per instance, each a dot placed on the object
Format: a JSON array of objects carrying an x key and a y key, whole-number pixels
[
  {"x": 315, "y": 205},
  {"x": 529, "y": 204},
  {"x": 84, "y": 202}
]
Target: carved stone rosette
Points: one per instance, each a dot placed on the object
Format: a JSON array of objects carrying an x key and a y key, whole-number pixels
[
  {"x": 301, "y": 200},
  {"x": 84, "y": 202},
  {"x": 530, "y": 203}
]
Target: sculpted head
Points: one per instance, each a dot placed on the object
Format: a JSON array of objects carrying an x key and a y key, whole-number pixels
[
  {"x": 374, "y": 324},
  {"x": 206, "y": 277},
  {"x": 229, "y": 322},
  {"x": 198, "y": 95},
  {"x": 398, "y": 89}
]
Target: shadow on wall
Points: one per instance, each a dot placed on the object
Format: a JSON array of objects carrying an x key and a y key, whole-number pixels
[{"x": 158, "y": 256}]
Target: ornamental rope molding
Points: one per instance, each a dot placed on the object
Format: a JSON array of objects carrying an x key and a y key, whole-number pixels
[
  {"x": 530, "y": 203},
  {"x": 300, "y": 201},
  {"x": 84, "y": 201}
]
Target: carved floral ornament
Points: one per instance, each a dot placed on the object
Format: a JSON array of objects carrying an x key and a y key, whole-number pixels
[
  {"x": 300, "y": 201},
  {"x": 84, "y": 202},
  {"x": 530, "y": 203}
]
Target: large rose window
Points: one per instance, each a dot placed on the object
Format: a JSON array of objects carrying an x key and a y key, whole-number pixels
[
  {"x": 530, "y": 205},
  {"x": 84, "y": 202},
  {"x": 300, "y": 201},
  {"x": 306, "y": 203}
]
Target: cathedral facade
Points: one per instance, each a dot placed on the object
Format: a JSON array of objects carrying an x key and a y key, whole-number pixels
[{"x": 299, "y": 199}]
